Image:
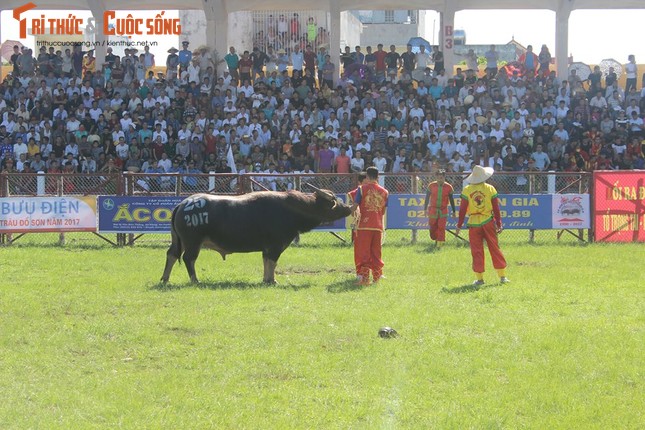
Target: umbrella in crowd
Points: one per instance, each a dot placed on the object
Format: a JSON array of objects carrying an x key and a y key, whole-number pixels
[
  {"x": 582, "y": 70},
  {"x": 610, "y": 62},
  {"x": 6, "y": 49},
  {"x": 416, "y": 42},
  {"x": 512, "y": 67}
]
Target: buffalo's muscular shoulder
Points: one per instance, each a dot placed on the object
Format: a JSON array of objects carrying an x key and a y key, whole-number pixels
[{"x": 264, "y": 221}]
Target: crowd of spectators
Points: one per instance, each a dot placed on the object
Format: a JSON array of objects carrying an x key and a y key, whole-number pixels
[{"x": 281, "y": 112}]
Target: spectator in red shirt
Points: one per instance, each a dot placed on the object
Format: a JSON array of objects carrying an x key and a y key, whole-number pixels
[
  {"x": 310, "y": 60},
  {"x": 245, "y": 67},
  {"x": 380, "y": 62},
  {"x": 342, "y": 162}
]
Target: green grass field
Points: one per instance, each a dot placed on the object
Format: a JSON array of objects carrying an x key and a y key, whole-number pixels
[{"x": 89, "y": 339}]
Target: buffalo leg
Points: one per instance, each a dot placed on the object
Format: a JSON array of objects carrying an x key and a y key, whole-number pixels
[
  {"x": 270, "y": 262},
  {"x": 269, "y": 270},
  {"x": 190, "y": 256},
  {"x": 171, "y": 259}
]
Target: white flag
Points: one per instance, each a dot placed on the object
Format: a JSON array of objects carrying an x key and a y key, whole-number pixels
[{"x": 230, "y": 160}]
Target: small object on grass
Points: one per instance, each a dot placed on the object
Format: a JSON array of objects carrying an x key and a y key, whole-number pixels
[{"x": 387, "y": 332}]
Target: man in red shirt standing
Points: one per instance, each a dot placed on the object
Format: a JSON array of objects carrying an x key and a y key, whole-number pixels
[
  {"x": 379, "y": 55},
  {"x": 310, "y": 60},
  {"x": 371, "y": 200},
  {"x": 342, "y": 162},
  {"x": 437, "y": 198}
]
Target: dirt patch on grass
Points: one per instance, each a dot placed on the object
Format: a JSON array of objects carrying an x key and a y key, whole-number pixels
[
  {"x": 312, "y": 271},
  {"x": 533, "y": 264}
]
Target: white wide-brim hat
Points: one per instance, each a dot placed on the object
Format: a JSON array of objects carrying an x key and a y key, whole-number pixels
[{"x": 480, "y": 174}]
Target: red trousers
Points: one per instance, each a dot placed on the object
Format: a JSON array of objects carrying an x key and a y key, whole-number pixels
[
  {"x": 477, "y": 235},
  {"x": 438, "y": 228},
  {"x": 367, "y": 254},
  {"x": 354, "y": 235}
]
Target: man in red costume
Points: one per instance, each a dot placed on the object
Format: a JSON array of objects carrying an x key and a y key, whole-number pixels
[
  {"x": 371, "y": 201},
  {"x": 479, "y": 201},
  {"x": 437, "y": 198}
]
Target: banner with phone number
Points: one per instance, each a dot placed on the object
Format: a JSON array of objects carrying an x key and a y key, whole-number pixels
[{"x": 519, "y": 211}]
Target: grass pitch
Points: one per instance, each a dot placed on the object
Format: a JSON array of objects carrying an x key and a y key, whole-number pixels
[{"x": 89, "y": 339}]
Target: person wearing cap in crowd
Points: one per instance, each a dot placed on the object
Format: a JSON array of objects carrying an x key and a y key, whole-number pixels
[
  {"x": 371, "y": 200},
  {"x": 172, "y": 61},
  {"x": 480, "y": 202},
  {"x": 437, "y": 198},
  {"x": 185, "y": 55}
]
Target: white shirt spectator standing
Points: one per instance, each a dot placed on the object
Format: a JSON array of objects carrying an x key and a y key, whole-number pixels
[
  {"x": 19, "y": 148},
  {"x": 423, "y": 58}
]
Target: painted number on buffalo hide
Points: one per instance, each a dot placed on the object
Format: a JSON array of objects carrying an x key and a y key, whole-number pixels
[{"x": 195, "y": 213}]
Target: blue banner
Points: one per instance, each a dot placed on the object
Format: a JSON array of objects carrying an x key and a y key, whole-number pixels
[
  {"x": 149, "y": 214},
  {"x": 519, "y": 211},
  {"x": 135, "y": 214}
]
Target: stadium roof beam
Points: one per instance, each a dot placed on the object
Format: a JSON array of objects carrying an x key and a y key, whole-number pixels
[{"x": 217, "y": 11}]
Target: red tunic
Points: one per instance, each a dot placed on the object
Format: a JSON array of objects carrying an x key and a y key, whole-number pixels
[
  {"x": 439, "y": 199},
  {"x": 372, "y": 201}
]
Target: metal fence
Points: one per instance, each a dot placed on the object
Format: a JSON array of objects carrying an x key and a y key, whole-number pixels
[{"x": 178, "y": 184}]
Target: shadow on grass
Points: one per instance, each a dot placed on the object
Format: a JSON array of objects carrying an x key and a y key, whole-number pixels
[
  {"x": 226, "y": 285},
  {"x": 468, "y": 288},
  {"x": 344, "y": 286},
  {"x": 71, "y": 246},
  {"x": 429, "y": 249}
]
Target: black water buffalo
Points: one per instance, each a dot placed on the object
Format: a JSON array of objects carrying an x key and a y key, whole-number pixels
[{"x": 264, "y": 221}]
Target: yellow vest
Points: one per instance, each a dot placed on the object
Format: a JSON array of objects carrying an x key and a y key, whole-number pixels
[{"x": 480, "y": 203}]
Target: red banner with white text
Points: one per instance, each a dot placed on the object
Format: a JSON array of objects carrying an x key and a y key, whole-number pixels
[{"x": 619, "y": 206}]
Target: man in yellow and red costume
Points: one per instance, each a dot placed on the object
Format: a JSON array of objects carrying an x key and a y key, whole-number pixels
[{"x": 480, "y": 202}]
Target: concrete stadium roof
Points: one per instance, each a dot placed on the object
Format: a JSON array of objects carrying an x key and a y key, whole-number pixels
[{"x": 240, "y": 5}]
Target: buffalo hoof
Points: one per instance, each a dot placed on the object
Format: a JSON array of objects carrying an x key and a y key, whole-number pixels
[{"x": 270, "y": 281}]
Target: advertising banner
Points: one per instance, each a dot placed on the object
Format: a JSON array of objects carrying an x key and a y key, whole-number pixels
[
  {"x": 47, "y": 214},
  {"x": 619, "y": 206},
  {"x": 407, "y": 212},
  {"x": 150, "y": 214},
  {"x": 571, "y": 211},
  {"x": 122, "y": 214}
]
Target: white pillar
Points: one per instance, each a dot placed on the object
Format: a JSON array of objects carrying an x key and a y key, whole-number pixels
[
  {"x": 97, "y": 9},
  {"x": 334, "y": 36},
  {"x": 100, "y": 49},
  {"x": 562, "y": 40},
  {"x": 217, "y": 28},
  {"x": 446, "y": 37}
]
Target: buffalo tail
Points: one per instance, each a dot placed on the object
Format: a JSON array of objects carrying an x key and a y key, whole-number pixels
[{"x": 176, "y": 240}]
